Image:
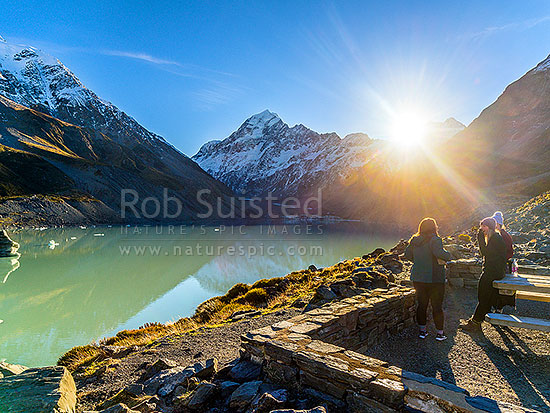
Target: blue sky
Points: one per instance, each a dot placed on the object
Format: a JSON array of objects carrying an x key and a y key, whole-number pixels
[{"x": 193, "y": 71}]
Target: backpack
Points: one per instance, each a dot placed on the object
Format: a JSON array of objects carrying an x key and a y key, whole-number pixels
[{"x": 438, "y": 269}]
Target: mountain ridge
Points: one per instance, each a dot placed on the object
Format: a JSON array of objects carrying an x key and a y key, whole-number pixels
[
  {"x": 38, "y": 80},
  {"x": 89, "y": 141},
  {"x": 511, "y": 137},
  {"x": 265, "y": 152}
]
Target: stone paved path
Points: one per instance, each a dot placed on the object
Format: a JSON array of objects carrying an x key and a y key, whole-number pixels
[{"x": 507, "y": 364}]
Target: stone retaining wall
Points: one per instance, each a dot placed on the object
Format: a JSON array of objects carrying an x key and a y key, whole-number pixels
[
  {"x": 365, "y": 320},
  {"x": 464, "y": 272},
  {"x": 314, "y": 352}
]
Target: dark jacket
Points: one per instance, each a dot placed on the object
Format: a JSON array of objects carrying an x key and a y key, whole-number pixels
[
  {"x": 494, "y": 255},
  {"x": 424, "y": 251}
]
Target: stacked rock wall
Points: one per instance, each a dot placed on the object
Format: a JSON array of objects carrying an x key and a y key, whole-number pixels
[
  {"x": 464, "y": 272},
  {"x": 314, "y": 351},
  {"x": 365, "y": 320}
]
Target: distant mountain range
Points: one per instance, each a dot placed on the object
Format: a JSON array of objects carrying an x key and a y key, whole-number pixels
[
  {"x": 357, "y": 176},
  {"x": 498, "y": 161},
  {"x": 58, "y": 137},
  {"x": 266, "y": 155}
]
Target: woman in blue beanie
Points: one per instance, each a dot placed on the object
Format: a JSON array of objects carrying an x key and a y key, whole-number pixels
[{"x": 493, "y": 250}]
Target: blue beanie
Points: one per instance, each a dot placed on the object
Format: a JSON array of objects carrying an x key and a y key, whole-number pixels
[{"x": 497, "y": 216}]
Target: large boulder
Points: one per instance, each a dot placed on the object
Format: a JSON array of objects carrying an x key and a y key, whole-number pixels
[
  {"x": 44, "y": 389},
  {"x": 157, "y": 366},
  {"x": 374, "y": 253},
  {"x": 391, "y": 262},
  {"x": 324, "y": 293},
  {"x": 243, "y": 396},
  {"x": 208, "y": 369},
  {"x": 202, "y": 395},
  {"x": 164, "y": 382},
  {"x": 269, "y": 401},
  {"x": 227, "y": 387},
  {"x": 245, "y": 371}
]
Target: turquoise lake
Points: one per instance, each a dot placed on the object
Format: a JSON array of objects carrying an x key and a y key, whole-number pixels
[{"x": 72, "y": 286}]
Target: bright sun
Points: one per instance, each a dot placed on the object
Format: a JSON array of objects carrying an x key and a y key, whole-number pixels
[{"x": 409, "y": 128}]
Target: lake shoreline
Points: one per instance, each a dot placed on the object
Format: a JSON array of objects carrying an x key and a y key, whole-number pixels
[
  {"x": 53, "y": 211},
  {"x": 72, "y": 283},
  {"x": 261, "y": 303},
  {"x": 295, "y": 290}
]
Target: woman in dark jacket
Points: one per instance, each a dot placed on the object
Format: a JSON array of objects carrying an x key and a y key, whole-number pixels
[
  {"x": 428, "y": 275},
  {"x": 493, "y": 250}
]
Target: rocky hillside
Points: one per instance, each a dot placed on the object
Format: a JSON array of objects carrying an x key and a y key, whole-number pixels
[
  {"x": 58, "y": 137},
  {"x": 510, "y": 140},
  {"x": 530, "y": 225}
]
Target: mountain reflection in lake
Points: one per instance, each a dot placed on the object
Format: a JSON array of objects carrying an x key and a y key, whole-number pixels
[{"x": 75, "y": 285}]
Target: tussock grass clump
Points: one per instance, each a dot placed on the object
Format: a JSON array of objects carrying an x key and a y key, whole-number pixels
[
  {"x": 81, "y": 355},
  {"x": 207, "y": 309},
  {"x": 234, "y": 292},
  {"x": 256, "y": 296},
  {"x": 267, "y": 282},
  {"x": 231, "y": 308}
]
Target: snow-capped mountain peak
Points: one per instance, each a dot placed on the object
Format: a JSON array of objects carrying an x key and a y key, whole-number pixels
[
  {"x": 30, "y": 76},
  {"x": 266, "y": 155},
  {"x": 453, "y": 123},
  {"x": 543, "y": 66},
  {"x": 256, "y": 124},
  {"x": 35, "y": 79},
  {"x": 262, "y": 119}
]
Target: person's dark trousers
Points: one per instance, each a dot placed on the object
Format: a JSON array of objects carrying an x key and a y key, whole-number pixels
[
  {"x": 487, "y": 296},
  {"x": 426, "y": 293}
]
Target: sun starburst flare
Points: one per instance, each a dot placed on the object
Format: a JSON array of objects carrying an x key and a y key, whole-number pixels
[{"x": 409, "y": 128}]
